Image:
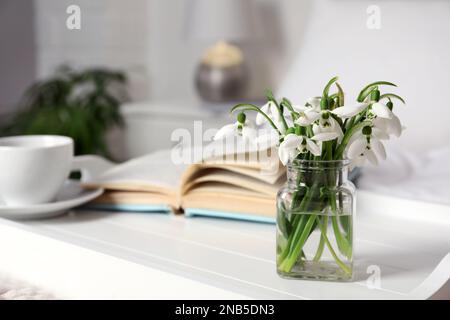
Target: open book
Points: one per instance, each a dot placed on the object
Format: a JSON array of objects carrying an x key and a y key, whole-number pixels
[{"x": 240, "y": 185}]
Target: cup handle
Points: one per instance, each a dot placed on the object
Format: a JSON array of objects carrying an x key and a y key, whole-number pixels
[{"x": 90, "y": 166}]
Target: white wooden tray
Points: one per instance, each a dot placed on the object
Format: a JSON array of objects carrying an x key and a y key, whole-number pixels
[{"x": 92, "y": 254}]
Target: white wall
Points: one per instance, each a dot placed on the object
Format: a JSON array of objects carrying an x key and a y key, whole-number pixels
[
  {"x": 147, "y": 39},
  {"x": 113, "y": 34}
]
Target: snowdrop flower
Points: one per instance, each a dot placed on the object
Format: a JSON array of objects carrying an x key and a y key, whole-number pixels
[
  {"x": 366, "y": 146},
  {"x": 379, "y": 109},
  {"x": 390, "y": 126},
  {"x": 327, "y": 128},
  {"x": 309, "y": 113},
  {"x": 293, "y": 145},
  {"x": 271, "y": 110},
  {"x": 242, "y": 127},
  {"x": 345, "y": 112}
]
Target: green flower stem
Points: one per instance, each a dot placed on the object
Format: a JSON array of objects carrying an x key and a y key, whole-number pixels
[
  {"x": 341, "y": 241},
  {"x": 252, "y": 107},
  {"x": 298, "y": 224},
  {"x": 288, "y": 104},
  {"x": 289, "y": 262},
  {"x": 321, "y": 246},
  {"x": 299, "y": 220},
  {"x": 340, "y": 150},
  {"x": 392, "y": 95},
  {"x": 339, "y": 262},
  {"x": 368, "y": 89},
  {"x": 280, "y": 112}
]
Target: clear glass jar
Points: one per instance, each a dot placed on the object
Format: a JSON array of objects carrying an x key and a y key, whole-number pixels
[{"x": 315, "y": 221}]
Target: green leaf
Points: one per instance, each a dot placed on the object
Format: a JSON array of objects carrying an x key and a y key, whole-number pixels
[
  {"x": 340, "y": 95},
  {"x": 392, "y": 95},
  {"x": 328, "y": 86},
  {"x": 368, "y": 89}
]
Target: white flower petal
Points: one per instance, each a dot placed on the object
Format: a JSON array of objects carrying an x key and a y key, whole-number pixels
[
  {"x": 312, "y": 114},
  {"x": 381, "y": 124},
  {"x": 337, "y": 128},
  {"x": 225, "y": 131},
  {"x": 357, "y": 135},
  {"x": 283, "y": 154},
  {"x": 313, "y": 147},
  {"x": 286, "y": 150},
  {"x": 381, "y": 110},
  {"x": 314, "y": 102},
  {"x": 316, "y": 129},
  {"x": 349, "y": 111},
  {"x": 357, "y": 162},
  {"x": 291, "y": 141},
  {"x": 300, "y": 108},
  {"x": 260, "y": 119},
  {"x": 281, "y": 127},
  {"x": 370, "y": 155},
  {"x": 395, "y": 126},
  {"x": 380, "y": 134},
  {"x": 356, "y": 148},
  {"x": 307, "y": 117},
  {"x": 303, "y": 121},
  {"x": 266, "y": 107},
  {"x": 325, "y": 136},
  {"x": 270, "y": 110},
  {"x": 378, "y": 148},
  {"x": 275, "y": 113}
]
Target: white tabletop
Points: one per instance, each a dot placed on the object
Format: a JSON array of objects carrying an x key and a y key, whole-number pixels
[{"x": 94, "y": 254}]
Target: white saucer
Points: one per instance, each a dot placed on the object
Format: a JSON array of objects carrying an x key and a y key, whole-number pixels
[{"x": 71, "y": 195}]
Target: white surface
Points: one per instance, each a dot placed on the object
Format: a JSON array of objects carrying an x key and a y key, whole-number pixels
[
  {"x": 421, "y": 176},
  {"x": 71, "y": 195},
  {"x": 126, "y": 255}
]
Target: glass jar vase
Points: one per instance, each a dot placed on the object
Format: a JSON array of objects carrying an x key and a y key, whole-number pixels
[{"x": 315, "y": 221}]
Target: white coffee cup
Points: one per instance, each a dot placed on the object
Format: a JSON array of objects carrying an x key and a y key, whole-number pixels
[{"x": 34, "y": 168}]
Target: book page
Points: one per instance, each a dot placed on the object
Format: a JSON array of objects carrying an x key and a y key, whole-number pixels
[
  {"x": 232, "y": 178},
  {"x": 153, "y": 172}
]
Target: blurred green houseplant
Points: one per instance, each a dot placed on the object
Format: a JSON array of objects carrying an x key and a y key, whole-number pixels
[{"x": 80, "y": 104}]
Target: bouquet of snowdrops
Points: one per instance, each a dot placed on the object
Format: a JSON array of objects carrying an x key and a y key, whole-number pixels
[{"x": 316, "y": 141}]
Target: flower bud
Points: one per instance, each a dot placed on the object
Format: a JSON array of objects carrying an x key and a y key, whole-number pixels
[
  {"x": 367, "y": 130},
  {"x": 241, "y": 117},
  {"x": 325, "y": 115}
]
